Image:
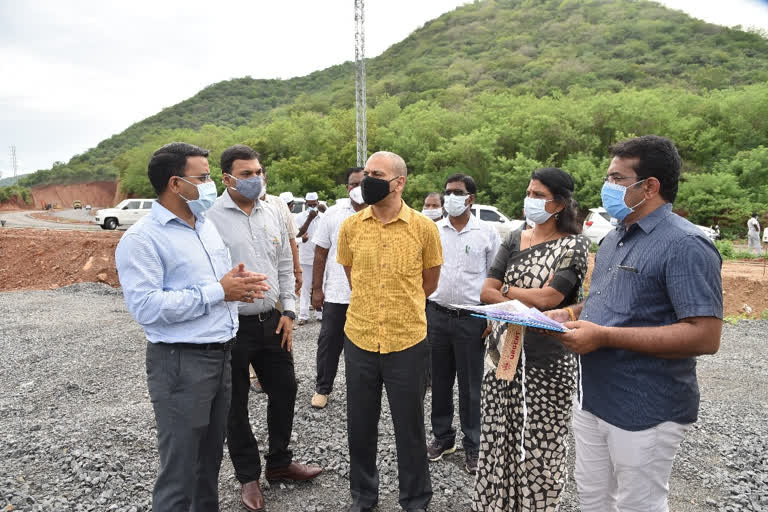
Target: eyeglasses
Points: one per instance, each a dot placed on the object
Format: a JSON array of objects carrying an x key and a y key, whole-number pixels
[
  {"x": 203, "y": 177},
  {"x": 455, "y": 193},
  {"x": 615, "y": 178}
]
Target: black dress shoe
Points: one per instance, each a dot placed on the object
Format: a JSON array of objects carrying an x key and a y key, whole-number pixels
[{"x": 359, "y": 508}]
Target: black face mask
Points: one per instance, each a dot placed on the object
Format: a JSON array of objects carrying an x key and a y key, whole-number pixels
[{"x": 375, "y": 189}]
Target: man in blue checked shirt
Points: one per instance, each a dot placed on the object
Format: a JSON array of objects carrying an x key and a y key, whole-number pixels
[
  {"x": 655, "y": 303},
  {"x": 176, "y": 278}
]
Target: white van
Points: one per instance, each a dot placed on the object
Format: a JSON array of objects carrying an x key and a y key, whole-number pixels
[
  {"x": 490, "y": 214},
  {"x": 127, "y": 212}
]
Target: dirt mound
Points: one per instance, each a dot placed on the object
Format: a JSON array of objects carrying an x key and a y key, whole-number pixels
[
  {"x": 98, "y": 194},
  {"x": 40, "y": 259},
  {"x": 745, "y": 283}
]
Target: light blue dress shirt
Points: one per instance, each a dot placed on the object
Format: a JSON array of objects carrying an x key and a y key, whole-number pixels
[{"x": 170, "y": 276}]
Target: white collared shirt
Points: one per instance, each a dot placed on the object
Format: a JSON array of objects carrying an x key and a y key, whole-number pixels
[
  {"x": 335, "y": 284},
  {"x": 467, "y": 256},
  {"x": 307, "y": 249}
]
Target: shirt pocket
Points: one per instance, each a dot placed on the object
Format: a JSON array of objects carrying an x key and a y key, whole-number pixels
[
  {"x": 628, "y": 291},
  {"x": 474, "y": 260}
]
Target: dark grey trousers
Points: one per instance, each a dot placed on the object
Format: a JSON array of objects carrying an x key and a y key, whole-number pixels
[
  {"x": 330, "y": 343},
  {"x": 457, "y": 354},
  {"x": 190, "y": 391},
  {"x": 402, "y": 373}
]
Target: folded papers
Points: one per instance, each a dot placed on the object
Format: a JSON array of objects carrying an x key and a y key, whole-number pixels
[{"x": 514, "y": 312}]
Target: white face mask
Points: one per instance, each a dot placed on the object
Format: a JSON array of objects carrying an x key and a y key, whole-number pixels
[
  {"x": 455, "y": 205},
  {"x": 433, "y": 213},
  {"x": 356, "y": 195},
  {"x": 535, "y": 210}
]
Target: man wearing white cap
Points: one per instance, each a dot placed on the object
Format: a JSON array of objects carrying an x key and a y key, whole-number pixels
[{"x": 308, "y": 220}]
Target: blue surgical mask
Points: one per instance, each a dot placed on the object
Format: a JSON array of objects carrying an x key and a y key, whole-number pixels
[
  {"x": 535, "y": 210},
  {"x": 612, "y": 195},
  {"x": 250, "y": 188},
  {"x": 206, "y": 195}
]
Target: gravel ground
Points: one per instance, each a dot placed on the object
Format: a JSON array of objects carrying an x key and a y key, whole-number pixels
[{"x": 78, "y": 430}]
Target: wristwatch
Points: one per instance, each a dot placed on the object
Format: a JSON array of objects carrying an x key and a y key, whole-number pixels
[
  {"x": 289, "y": 314},
  {"x": 504, "y": 289}
]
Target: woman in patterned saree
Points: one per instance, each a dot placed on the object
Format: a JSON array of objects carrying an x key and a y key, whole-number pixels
[{"x": 523, "y": 435}]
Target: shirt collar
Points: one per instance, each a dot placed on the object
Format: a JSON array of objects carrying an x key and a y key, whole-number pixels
[
  {"x": 473, "y": 223},
  {"x": 404, "y": 214},
  {"x": 650, "y": 221},
  {"x": 227, "y": 202},
  {"x": 163, "y": 215}
]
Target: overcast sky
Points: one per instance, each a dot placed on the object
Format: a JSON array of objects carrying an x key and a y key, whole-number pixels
[{"x": 78, "y": 71}]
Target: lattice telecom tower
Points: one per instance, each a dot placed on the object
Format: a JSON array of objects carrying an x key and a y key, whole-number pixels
[
  {"x": 14, "y": 163},
  {"x": 360, "y": 97}
]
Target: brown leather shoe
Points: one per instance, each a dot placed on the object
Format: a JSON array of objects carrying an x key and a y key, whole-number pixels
[
  {"x": 293, "y": 471},
  {"x": 252, "y": 497}
]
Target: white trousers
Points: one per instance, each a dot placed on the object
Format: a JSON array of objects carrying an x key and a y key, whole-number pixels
[
  {"x": 306, "y": 293},
  {"x": 622, "y": 471},
  {"x": 753, "y": 240}
]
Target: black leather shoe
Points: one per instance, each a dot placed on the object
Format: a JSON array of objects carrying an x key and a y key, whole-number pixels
[{"x": 359, "y": 508}]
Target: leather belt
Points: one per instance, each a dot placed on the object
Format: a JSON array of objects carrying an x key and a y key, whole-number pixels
[
  {"x": 227, "y": 345},
  {"x": 449, "y": 311},
  {"x": 258, "y": 317}
]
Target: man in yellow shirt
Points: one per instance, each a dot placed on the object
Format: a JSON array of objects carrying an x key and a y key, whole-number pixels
[{"x": 392, "y": 256}]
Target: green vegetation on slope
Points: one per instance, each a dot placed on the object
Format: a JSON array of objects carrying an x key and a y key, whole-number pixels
[{"x": 500, "y": 138}]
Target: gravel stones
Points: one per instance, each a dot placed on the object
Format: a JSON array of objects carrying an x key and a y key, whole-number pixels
[{"x": 78, "y": 431}]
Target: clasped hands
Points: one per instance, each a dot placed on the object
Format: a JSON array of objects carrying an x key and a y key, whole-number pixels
[{"x": 243, "y": 286}]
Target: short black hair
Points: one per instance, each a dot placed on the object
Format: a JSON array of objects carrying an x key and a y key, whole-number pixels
[
  {"x": 754, "y": 214},
  {"x": 350, "y": 172},
  {"x": 657, "y": 158},
  {"x": 170, "y": 160},
  {"x": 467, "y": 180},
  {"x": 439, "y": 195},
  {"x": 237, "y": 152}
]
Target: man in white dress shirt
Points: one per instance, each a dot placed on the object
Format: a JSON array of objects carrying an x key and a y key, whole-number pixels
[
  {"x": 456, "y": 338},
  {"x": 307, "y": 221},
  {"x": 330, "y": 287}
]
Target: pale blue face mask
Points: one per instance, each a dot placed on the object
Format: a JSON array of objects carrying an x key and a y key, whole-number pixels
[
  {"x": 535, "y": 210},
  {"x": 612, "y": 195},
  {"x": 206, "y": 195}
]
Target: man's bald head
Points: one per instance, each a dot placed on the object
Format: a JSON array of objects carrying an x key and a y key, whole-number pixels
[{"x": 395, "y": 162}]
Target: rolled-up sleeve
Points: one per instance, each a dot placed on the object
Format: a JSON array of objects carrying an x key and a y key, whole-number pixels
[
  {"x": 694, "y": 283},
  {"x": 140, "y": 271}
]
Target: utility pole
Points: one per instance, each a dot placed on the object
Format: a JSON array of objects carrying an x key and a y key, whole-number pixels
[
  {"x": 14, "y": 163},
  {"x": 360, "y": 97}
]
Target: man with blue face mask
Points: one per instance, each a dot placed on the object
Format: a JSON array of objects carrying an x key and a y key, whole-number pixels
[
  {"x": 255, "y": 233},
  {"x": 654, "y": 304},
  {"x": 174, "y": 270}
]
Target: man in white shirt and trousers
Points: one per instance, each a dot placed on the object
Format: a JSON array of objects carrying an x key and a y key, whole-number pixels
[
  {"x": 753, "y": 234},
  {"x": 307, "y": 221},
  {"x": 456, "y": 337},
  {"x": 330, "y": 287}
]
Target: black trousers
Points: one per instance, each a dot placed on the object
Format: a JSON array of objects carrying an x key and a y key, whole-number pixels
[
  {"x": 402, "y": 373},
  {"x": 457, "y": 353},
  {"x": 258, "y": 345},
  {"x": 190, "y": 393},
  {"x": 330, "y": 343}
]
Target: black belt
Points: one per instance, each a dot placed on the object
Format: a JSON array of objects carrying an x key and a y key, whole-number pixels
[
  {"x": 227, "y": 345},
  {"x": 258, "y": 317},
  {"x": 449, "y": 311}
]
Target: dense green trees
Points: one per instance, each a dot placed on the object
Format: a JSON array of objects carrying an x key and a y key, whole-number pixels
[{"x": 500, "y": 138}]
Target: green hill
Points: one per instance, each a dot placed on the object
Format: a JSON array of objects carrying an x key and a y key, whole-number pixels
[
  {"x": 491, "y": 88},
  {"x": 8, "y": 181}
]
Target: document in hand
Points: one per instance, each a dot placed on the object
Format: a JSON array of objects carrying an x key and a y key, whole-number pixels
[{"x": 514, "y": 312}]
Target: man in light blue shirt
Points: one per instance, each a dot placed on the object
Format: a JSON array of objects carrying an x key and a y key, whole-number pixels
[{"x": 176, "y": 278}]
